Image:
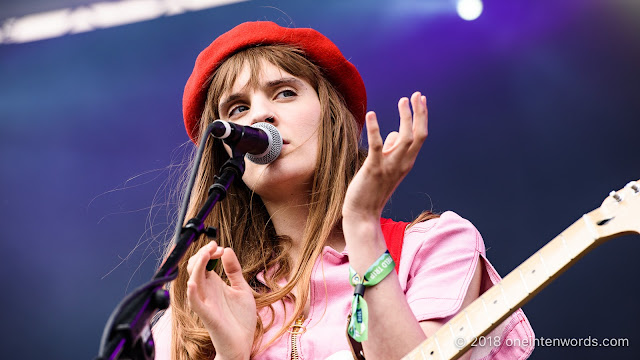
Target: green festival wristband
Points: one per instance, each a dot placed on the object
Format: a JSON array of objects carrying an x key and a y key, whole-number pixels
[{"x": 359, "y": 311}]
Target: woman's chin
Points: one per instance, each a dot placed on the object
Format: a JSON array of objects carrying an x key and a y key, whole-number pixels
[{"x": 273, "y": 186}]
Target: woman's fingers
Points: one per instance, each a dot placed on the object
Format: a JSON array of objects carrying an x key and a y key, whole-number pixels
[
  {"x": 198, "y": 272},
  {"x": 199, "y": 275},
  {"x": 406, "y": 123},
  {"x": 196, "y": 278},
  {"x": 373, "y": 135},
  {"x": 211, "y": 248},
  {"x": 390, "y": 141},
  {"x": 413, "y": 128},
  {"x": 389, "y": 162},
  {"x": 233, "y": 270},
  {"x": 420, "y": 122}
]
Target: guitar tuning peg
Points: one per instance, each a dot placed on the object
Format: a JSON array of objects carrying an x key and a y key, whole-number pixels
[
  {"x": 634, "y": 186},
  {"x": 616, "y": 196}
]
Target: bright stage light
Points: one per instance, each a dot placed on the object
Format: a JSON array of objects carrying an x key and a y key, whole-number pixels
[
  {"x": 94, "y": 16},
  {"x": 469, "y": 9}
]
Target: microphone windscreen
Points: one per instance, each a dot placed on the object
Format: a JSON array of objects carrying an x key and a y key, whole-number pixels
[{"x": 274, "y": 148}]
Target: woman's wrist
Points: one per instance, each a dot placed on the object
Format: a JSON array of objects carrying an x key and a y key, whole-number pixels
[
  {"x": 360, "y": 222},
  {"x": 359, "y": 214},
  {"x": 364, "y": 241},
  {"x": 362, "y": 232},
  {"x": 231, "y": 351}
]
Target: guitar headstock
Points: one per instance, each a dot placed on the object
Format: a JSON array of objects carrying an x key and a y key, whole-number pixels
[{"x": 620, "y": 211}]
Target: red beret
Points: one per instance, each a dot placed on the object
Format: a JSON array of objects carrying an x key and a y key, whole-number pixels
[{"x": 317, "y": 48}]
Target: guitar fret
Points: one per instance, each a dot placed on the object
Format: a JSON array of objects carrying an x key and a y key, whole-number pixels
[
  {"x": 544, "y": 264},
  {"x": 555, "y": 257},
  {"x": 566, "y": 247},
  {"x": 484, "y": 303},
  {"x": 526, "y": 288},
  {"x": 592, "y": 230},
  {"x": 466, "y": 314},
  {"x": 504, "y": 296},
  {"x": 435, "y": 338},
  {"x": 453, "y": 333}
]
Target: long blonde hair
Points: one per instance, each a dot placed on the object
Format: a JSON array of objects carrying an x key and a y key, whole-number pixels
[{"x": 242, "y": 220}]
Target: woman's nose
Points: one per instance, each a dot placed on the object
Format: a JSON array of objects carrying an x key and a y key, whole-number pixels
[
  {"x": 262, "y": 111},
  {"x": 263, "y": 117}
]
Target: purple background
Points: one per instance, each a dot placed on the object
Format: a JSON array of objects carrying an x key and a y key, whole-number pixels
[{"x": 534, "y": 118}]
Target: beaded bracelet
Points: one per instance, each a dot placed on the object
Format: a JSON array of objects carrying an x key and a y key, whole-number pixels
[{"x": 359, "y": 311}]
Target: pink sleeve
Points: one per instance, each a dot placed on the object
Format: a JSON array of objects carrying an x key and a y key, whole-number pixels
[
  {"x": 438, "y": 260},
  {"x": 161, "y": 331}
]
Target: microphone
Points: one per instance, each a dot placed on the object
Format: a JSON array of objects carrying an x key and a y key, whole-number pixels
[{"x": 260, "y": 142}]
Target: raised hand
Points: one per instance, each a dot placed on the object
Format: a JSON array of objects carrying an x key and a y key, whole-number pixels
[
  {"x": 387, "y": 163},
  {"x": 227, "y": 311}
]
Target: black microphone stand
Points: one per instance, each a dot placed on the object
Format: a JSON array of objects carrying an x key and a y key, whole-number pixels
[{"x": 127, "y": 334}]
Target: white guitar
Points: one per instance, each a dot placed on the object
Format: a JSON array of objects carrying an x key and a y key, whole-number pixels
[{"x": 619, "y": 214}]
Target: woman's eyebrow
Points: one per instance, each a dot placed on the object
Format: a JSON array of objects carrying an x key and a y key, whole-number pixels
[
  {"x": 268, "y": 85},
  {"x": 283, "y": 81},
  {"x": 231, "y": 98}
]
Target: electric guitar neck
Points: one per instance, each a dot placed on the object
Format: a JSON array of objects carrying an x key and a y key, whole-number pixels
[{"x": 619, "y": 214}]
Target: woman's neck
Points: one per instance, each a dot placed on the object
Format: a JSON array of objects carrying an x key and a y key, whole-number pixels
[{"x": 289, "y": 218}]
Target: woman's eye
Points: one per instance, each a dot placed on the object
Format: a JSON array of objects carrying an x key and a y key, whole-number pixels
[
  {"x": 238, "y": 109},
  {"x": 286, "y": 93}
]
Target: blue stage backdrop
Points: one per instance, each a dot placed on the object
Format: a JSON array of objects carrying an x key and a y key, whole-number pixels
[{"x": 534, "y": 117}]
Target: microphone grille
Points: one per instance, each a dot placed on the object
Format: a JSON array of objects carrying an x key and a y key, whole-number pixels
[{"x": 274, "y": 148}]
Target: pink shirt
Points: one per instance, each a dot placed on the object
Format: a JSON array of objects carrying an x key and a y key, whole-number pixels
[{"x": 438, "y": 259}]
